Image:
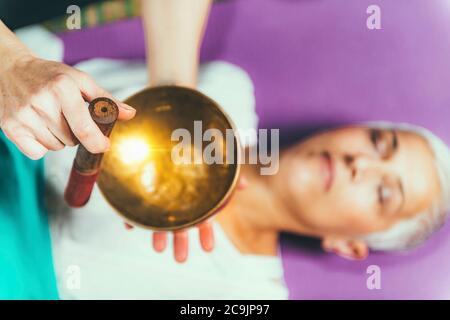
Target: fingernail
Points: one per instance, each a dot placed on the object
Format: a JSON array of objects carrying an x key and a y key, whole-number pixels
[
  {"x": 209, "y": 245},
  {"x": 180, "y": 252},
  {"x": 128, "y": 226},
  {"x": 158, "y": 246},
  {"x": 159, "y": 243},
  {"x": 181, "y": 258},
  {"x": 127, "y": 107},
  {"x": 243, "y": 183}
]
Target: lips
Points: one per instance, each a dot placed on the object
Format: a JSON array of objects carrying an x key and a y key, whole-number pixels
[{"x": 327, "y": 170}]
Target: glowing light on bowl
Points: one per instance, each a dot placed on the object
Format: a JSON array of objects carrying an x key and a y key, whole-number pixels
[
  {"x": 148, "y": 177},
  {"x": 133, "y": 150}
]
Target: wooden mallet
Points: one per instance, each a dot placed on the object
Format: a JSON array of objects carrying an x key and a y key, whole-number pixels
[{"x": 86, "y": 165}]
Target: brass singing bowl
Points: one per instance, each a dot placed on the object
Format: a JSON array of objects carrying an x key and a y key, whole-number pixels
[{"x": 139, "y": 177}]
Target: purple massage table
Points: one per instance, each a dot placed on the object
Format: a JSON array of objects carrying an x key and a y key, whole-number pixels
[{"x": 315, "y": 63}]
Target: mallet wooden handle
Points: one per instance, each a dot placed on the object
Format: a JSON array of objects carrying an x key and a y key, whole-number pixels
[{"x": 86, "y": 165}]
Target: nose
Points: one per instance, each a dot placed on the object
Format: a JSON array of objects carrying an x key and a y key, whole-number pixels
[{"x": 361, "y": 165}]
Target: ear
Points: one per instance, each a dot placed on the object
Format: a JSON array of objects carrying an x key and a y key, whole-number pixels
[{"x": 346, "y": 248}]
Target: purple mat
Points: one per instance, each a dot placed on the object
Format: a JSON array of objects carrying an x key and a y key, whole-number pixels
[{"x": 315, "y": 63}]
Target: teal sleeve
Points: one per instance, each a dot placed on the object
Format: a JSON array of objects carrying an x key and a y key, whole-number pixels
[{"x": 26, "y": 264}]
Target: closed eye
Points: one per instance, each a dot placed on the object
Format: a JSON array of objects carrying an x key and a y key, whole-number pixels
[
  {"x": 384, "y": 142},
  {"x": 391, "y": 196}
]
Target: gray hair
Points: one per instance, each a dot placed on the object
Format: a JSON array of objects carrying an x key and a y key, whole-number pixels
[{"x": 410, "y": 233}]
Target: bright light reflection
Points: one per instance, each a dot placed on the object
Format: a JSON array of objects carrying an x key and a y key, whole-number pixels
[
  {"x": 148, "y": 177},
  {"x": 133, "y": 150}
]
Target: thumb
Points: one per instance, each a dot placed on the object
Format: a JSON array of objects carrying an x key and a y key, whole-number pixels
[
  {"x": 91, "y": 90},
  {"x": 126, "y": 112}
]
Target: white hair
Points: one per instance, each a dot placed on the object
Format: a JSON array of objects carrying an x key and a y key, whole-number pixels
[{"x": 409, "y": 233}]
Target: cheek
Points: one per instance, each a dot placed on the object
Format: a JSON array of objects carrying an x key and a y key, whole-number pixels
[
  {"x": 354, "y": 209},
  {"x": 346, "y": 210},
  {"x": 303, "y": 177}
]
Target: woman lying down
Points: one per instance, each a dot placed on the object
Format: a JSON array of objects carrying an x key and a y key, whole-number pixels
[{"x": 378, "y": 186}]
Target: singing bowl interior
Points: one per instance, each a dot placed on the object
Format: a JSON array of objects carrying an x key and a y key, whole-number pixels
[{"x": 140, "y": 180}]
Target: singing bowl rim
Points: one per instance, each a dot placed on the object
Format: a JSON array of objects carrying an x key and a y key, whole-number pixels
[{"x": 223, "y": 200}]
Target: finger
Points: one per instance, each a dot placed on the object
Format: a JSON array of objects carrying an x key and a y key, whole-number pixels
[
  {"x": 128, "y": 226},
  {"x": 243, "y": 183},
  {"x": 47, "y": 107},
  {"x": 29, "y": 146},
  {"x": 62, "y": 131},
  {"x": 32, "y": 124},
  {"x": 80, "y": 121},
  {"x": 180, "y": 246},
  {"x": 92, "y": 90},
  {"x": 41, "y": 132},
  {"x": 47, "y": 139},
  {"x": 206, "y": 236},
  {"x": 159, "y": 241}
]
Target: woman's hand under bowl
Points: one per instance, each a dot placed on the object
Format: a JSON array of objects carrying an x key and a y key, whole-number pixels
[{"x": 180, "y": 237}]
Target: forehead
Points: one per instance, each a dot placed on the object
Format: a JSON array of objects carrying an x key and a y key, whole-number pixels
[{"x": 415, "y": 165}]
